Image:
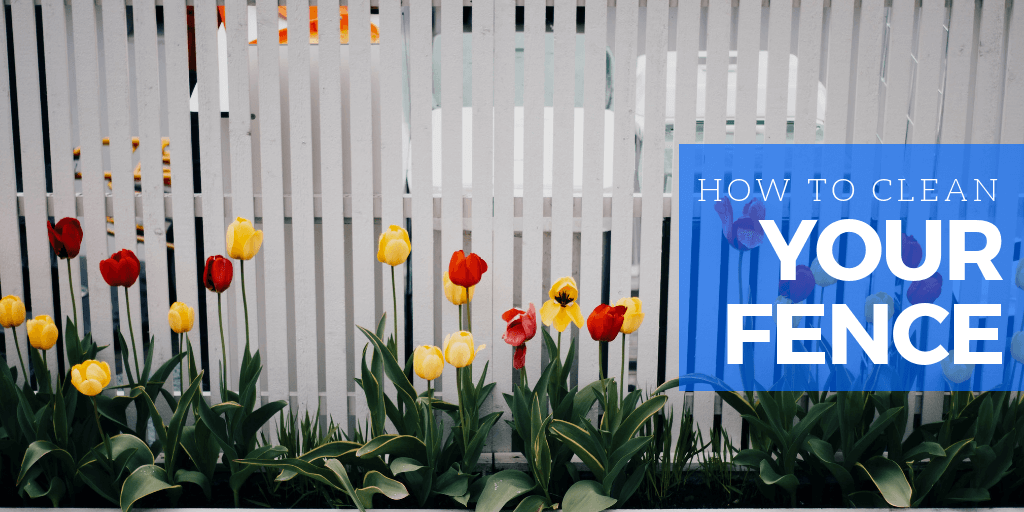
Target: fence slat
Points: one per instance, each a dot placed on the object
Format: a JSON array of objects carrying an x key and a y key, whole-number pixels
[
  {"x": 333, "y": 185},
  {"x": 1012, "y": 131},
  {"x": 533, "y": 167},
  {"x": 869, "y": 55},
  {"x": 930, "y": 52},
  {"x": 33, "y": 182},
  {"x": 236, "y": 26},
  {"x": 58, "y": 106},
  {"x": 502, "y": 279},
  {"x": 91, "y": 164},
  {"x": 118, "y": 90},
  {"x": 780, "y": 20},
  {"x": 421, "y": 172},
  {"x": 451, "y": 162},
  {"x": 652, "y": 208},
  {"x": 182, "y": 188},
  {"x": 10, "y": 252},
  {"x": 809, "y": 58},
  {"x": 147, "y": 88},
  {"x": 959, "y": 54},
  {"x": 486, "y": 326},
  {"x": 897, "y": 75},
  {"x": 717, "y": 84},
  {"x": 840, "y": 41},
  {"x": 592, "y": 230},
  {"x": 272, "y": 182},
  {"x": 301, "y": 145},
  {"x": 748, "y": 46},
  {"x": 563, "y": 139},
  {"x": 988, "y": 75},
  {"x": 391, "y": 152},
  {"x": 624, "y": 162},
  {"x": 210, "y": 161}
]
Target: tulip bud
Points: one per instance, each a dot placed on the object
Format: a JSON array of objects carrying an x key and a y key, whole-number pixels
[
  {"x": 427, "y": 362},
  {"x": 90, "y": 377},
  {"x": 454, "y": 293},
  {"x": 121, "y": 268},
  {"x": 393, "y": 246},
  {"x": 1017, "y": 347},
  {"x": 458, "y": 349},
  {"x": 243, "y": 240},
  {"x": 910, "y": 251},
  {"x": 180, "y": 317},
  {"x": 12, "y": 311},
  {"x": 797, "y": 290},
  {"x": 217, "y": 273},
  {"x": 465, "y": 270},
  {"x": 634, "y": 314},
  {"x": 42, "y": 332},
  {"x": 66, "y": 237},
  {"x": 519, "y": 357},
  {"x": 956, "y": 373},
  {"x": 925, "y": 291},
  {"x": 878, "y": 298},
  {"x": 605, "y": 322},
  {"x": 821, "y": 278}
]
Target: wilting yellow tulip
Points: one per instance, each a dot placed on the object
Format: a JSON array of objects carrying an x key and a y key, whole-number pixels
[
  {"x": 243, "y": 240},
  {"x": 12, "y": 311},
  {"x": 459, "y": 350},
  {"x": 634, "y": 314},
  {"x": 454, "y": 293},
  {"x": 878, "y": 298},
  {"x": 90, "y": 377},
  {"x": 561, "y": 308},
  {"x": 427, "y": 362},
  {"x": 393, "y": 246},
  {"x": 42, "y": 332},
  {"x": 181, "y": 317}
]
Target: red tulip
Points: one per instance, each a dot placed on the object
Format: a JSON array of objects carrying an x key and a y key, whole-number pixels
[
  {"x": 799, "y": 288},
  {"x": 925, "y": 291},
  {"x": 121, "y": 269},
  {"x": 519, "y": 357},
  {"x": 910, "y": 251},
  {"x": 66, "y": 238},
  {"x": 605, "y": 322},
  {"x": 742, "y": 233},
  {"x": 465, "y": 270},
  {"x": 522, "y": 325},
  {"x": 217, "y": 274}
]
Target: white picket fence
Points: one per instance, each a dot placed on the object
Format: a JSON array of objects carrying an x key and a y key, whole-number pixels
[{"x": 537, "y": 159}]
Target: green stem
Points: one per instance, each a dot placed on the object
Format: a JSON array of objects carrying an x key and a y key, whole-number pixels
[
  {"x": 394, "y": 303},
  {"x": 522, "y": 377},
  {"x": 430, "y": 423},
  {"x": 1022, "y": 322},
  {"x": 469, "y": 313},
  {"x": 462, "y": 416},
  {"x": 131, "y": 331},
  {"x": 460, "y": 317},
  {"x": 739, "y": 276},
  {"x": 74, "y": 303},
  {"x": 223, "y": 348},
  {"x": 181, "y": 349},
  {"x": 622, "y": 367},
  {"x": 24, "y": 370},
  {"x": 600, "y": 360},
  {"x": 245, "y": 307},
  {"x": 559, "y": 345},
  {"x": 99, "y": 429}
]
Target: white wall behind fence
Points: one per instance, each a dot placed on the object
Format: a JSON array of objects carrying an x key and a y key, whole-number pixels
[{"x": 497, "y": 128}]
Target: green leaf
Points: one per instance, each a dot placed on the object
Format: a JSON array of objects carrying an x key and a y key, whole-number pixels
[
  {"x": 452, "y": 483},
  {"x": 925, "y": 450},
  {"x": 60, "y": 419},
  {"x": 38, "y": 451},
  {"x": 969, "y": 495},
  {"x": 877, "y": 427},
  {"x": 503, "y": 487},
  {"x": 255, "y": 421},
  {"x": 935, "y": 469},
  {"x": 405, "y": 465},
  {"x": 770, "y": 477},
  {"x": 750, "y": 458},
  {"x": 867, "y": 499},
  {"x": 888, "y": 477},
  {"x": 376, "y": 483},
  {"x": 141, "y": 483},
  {"x": 629, "y": 426},
  {"x": 826, "y": 455},
  {"x": 586, "y": 496},
  {"x": 194, "y": 477},
  {"x": 342, "y": 476},
  {"x": 533, "y": 503},
  {"x": 393, "y": 370},
  {"x": 582, "y": 444},
  {"x": 239, "y": 477},
  {"x": 391, "y": 444}
]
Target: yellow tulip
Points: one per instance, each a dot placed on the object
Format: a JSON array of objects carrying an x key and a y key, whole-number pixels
[
  {"x": 822, "y": 278},
  {"x": 634, "y": 314},
  {"x": 12, "y": 311},
  {"x": 458, "y": 349},
  {"x": 878, "y": 298},
  {"x": 562, "y": 308},
  {"x": 956, "y": 373},
  {"x": 427, "y": 362},
  {"x": 243, "y": 240},
  {"x": 393, "y": 246},
  {"x": 181, "y": 317},
  {"x": 454, "y": 293},
  {"x": 42, "y": 332},
  {"x": 90, "y": 377}
]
